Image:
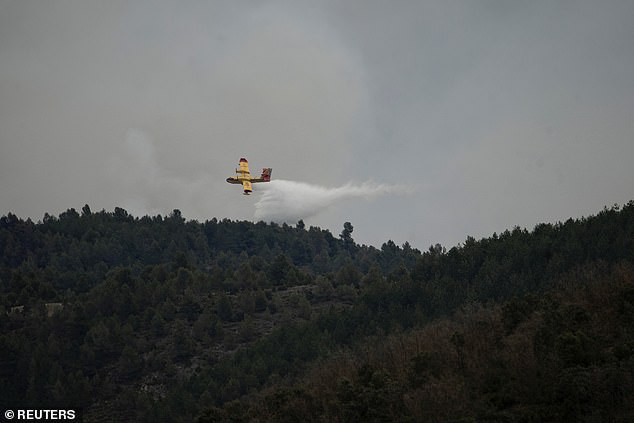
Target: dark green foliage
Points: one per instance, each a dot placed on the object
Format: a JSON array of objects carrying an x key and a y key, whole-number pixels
[
  {"x": 471, "y": 368},
  {"x": 516, "y": 311},
  {"x": 423, "y": 367},
  {"x": 163, "y": 318},
  {"x": 224, "y": 311},
  {"x": 373, "y": 396},
  {"x": 346, "y": 236}
]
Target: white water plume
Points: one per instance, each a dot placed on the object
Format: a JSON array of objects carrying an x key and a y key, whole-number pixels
[{"x": 290, "y": 201}]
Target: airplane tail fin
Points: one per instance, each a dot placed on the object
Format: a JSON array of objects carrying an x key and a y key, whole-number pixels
[{"x": 266, "y": 174}]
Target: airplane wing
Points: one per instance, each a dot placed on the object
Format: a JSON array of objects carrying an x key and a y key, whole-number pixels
[{"x": 265, "y": 177}]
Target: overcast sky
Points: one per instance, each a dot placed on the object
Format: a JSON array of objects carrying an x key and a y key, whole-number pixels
[{"x": 492, "y": 113}]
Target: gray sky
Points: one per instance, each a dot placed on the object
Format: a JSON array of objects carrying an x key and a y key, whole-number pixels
[{"x": 491, "y": 113}]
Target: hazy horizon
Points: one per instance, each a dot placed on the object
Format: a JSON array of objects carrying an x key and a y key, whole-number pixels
[{"x": 492, "y": 113}]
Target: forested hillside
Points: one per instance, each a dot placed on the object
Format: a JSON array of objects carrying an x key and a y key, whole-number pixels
[{"x": 163, "y": 319}]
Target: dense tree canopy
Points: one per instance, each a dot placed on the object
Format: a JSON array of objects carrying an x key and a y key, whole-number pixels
[{"x": 160, "y": 318}]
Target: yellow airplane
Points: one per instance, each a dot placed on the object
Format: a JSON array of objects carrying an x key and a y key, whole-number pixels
[{"x": 243, "y": 176}]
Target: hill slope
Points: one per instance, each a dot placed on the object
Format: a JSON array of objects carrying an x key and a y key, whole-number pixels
[
  {"x": 565, "y": 356},
  {"x": 158, "y": 318}
]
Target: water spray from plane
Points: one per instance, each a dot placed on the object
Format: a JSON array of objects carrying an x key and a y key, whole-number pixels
[{"x": 289, "y": 201}]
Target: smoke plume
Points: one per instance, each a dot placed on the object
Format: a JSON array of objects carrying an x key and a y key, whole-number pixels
[{"x": 290, "y": 201}]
